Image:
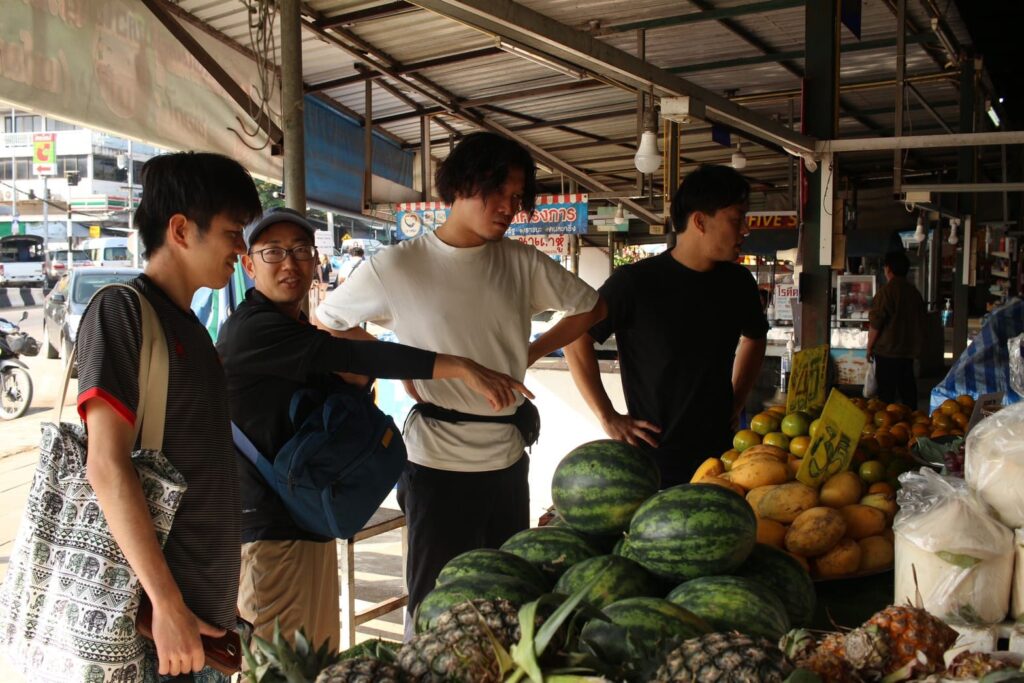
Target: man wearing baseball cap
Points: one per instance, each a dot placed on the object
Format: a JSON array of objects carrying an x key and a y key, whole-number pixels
[{"x": 270, "y": 350}]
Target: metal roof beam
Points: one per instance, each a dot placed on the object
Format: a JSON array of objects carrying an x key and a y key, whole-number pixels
[
  {"x": 707, "y": 15},
  {"x": 509, "y": 20},
  {"x": 1014, "y": 137},
  {"x": 368, "y": 14},
  {"x": 444, "y": 60}
]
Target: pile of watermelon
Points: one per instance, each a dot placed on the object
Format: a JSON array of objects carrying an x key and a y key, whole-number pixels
[{"x": 677, "y": 562}]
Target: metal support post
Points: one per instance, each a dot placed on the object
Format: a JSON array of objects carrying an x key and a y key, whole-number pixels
[
  {"x": 641, "y": 52},
  {"x": 46, "y": 222},
  {"x": 901, "y": 74},
  {"x": 292, "y": 105},
  {"x": 821, "y": 106},
  {"x": 368, "y": 147},
  {"x": 14, "y": 176},
  {"x": 671, "y": 178},
  {"x": 425, "y": 157},
  {"x": 966, "y": 159}
]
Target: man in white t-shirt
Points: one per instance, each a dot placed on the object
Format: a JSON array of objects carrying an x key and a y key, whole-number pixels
[{"x": 466, "y": 290}]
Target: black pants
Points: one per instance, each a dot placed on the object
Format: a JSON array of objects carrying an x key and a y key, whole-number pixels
[
  {"x": 896, "y": 381},
  {"x": 448, "y": 513}
]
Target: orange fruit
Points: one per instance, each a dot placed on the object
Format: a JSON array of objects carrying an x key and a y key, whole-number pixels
[
  {"x": 883, "y": 418},
  {"x": 744, "y": 439},
  {"x": 813, "y": 429},
  {"x": 872, "y": 471},
  {"x": 900, "y": 433},
  {"x": 874, "y": 405},
  {"x": 859, "y": 402},
  {"x": 870, "y": 445},
  {"x": 937, "y": 433},
  {"x": 764, "y": 423},
  {"x": 949, "y": 406},
  {"x": 956, "y": 432},
  {"x": 942, "y": 421},
  {"x": 966, "y": 402},
  {"x": 919, "y": 429},
  {"x": 779, "y": 410},
  {"x": 777, "y": 439},
  {"x": 796, "y": 424},
  {"x": 899, "y": 410},
  {"x": 885, "y": 440},
  {"x": 798, "y": 445},
  {"x": 881, "y": 487},
  {"x": 728, "y": 458},
  {"x": 857, "y": 458},
  {"x": 960, "y": 420}
]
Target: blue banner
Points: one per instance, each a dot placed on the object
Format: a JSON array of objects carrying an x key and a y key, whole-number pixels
[{"x": 555, "y": 214}]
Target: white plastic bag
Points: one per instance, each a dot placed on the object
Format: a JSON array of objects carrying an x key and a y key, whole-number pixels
[
  {"x": 994, "y": 463},
  {"x": 1017, "y": 599},
  {"x": 870, "y": 381},
  {"x": 962, "y": 556}
]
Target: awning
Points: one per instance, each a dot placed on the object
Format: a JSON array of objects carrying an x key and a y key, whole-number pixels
[{"x": 859, "y": 243}]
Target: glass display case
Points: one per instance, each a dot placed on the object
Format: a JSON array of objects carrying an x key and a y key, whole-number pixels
[{"x": 853, "y": 297}]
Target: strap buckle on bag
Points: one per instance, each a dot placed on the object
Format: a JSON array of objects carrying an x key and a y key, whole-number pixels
[{"x": 526, "y": 418}]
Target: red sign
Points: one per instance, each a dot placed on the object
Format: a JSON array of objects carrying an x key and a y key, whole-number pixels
[
  {"x": 770, "y": 220},
  {"x": 44, "y": 154}
]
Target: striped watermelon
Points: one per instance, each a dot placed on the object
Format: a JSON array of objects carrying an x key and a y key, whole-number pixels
[
  {"x": 491, "y": 561},
  {"x": 550, "y": 549},
  {"x": 734, "y": 603},
  {"x": 598, "y": 486},
  {"x": 465, "y": 588},
  {"x": 784, "y": 577},
  {"x": 646, "y": 621},
  {"x": 619, "y": 578},
  {"x": 692, "y": 530}
]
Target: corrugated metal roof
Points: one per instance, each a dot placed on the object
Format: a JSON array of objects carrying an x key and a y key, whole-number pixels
[{"x": 527, "y": 95}]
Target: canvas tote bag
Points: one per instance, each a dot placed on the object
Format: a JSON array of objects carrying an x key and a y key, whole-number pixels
[{"x": 69, "y": 599}]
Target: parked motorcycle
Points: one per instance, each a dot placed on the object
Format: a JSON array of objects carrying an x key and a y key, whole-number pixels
[{"x": 15, "y": 382}]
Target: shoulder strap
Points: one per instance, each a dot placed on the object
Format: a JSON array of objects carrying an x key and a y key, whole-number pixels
[
  {"x": 153, "y": 376},
  {"x": 247, "y": 448}
]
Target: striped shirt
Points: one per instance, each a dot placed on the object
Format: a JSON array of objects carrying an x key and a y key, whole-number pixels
[{"x": 202, "y": 550}]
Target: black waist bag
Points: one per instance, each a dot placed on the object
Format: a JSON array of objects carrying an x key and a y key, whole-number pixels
[{"x": 526, "y": 418}]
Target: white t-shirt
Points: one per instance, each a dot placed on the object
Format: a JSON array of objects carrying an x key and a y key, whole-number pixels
[{"x": 474, "y": 302}]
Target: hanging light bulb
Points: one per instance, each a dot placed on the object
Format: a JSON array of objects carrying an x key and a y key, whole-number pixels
[
  {"x": 620, "y": 215},
  {"x": 739, "y": 159},
  {"x": 919, "y": 234},
  {"x": 648, "y": 158},
  {"x": 954, "y": 239}
]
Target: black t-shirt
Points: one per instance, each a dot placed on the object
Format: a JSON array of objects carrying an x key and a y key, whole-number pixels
[
  {"x": 677, "y": 331},
  {"x": 202, "y": 549},
  {"x": 267, "y": 358}
]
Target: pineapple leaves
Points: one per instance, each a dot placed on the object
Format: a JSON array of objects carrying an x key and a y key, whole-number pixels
[{"x": 803, "y": 676}]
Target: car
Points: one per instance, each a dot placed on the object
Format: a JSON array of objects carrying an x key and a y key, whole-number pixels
[
  {"x": 57, "y": 263},
  {"x": 64, "y": 305}
]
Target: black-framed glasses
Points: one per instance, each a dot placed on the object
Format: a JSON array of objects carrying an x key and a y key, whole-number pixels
[{"x": 303, "y": 252}]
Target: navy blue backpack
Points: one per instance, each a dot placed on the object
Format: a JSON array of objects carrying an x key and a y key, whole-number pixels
[{"x": 344, "y": 459}]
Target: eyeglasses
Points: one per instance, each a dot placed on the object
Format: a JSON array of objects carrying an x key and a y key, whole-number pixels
[{"x": 303, "y": 252}]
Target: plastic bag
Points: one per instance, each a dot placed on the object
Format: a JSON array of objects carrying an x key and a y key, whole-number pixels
[
  {"x": 1017, "y": 600},
  {"x": 962, "y": 556},
  {"x": 1015, "y": 348},
  {"x": 870, "y": 382},
  {"x": 994, "y": 465}
]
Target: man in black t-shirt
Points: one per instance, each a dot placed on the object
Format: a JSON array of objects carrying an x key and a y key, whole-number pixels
[
  {"x": 190, "y": 220},
  {"x": 270, "y": 351},
  {"x": 690, "y": 332}
]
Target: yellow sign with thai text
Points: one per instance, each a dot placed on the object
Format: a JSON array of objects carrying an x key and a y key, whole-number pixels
[
  {"x": 833, "y": 442},
  {"x": 807, "y": 380}
]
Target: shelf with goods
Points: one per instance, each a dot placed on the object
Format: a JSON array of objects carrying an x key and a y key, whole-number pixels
[{"x": 1004, "y": 274}]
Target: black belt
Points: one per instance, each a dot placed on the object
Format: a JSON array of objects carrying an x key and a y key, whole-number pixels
[{"x": 526, "y": 418}]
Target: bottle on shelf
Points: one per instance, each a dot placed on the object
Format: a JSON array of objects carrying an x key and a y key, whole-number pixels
[{"x": 947, "y": 314}]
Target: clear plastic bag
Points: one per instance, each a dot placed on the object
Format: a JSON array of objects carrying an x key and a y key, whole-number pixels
[
  {"x": 994, "y": 464},
  {"x": 1016, "y": 351},
  {"x": 961, "y": 556},
  {"x": 870, "y": 380}
]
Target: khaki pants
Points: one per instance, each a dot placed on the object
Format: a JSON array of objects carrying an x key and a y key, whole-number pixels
[{"x": 294, "y": 581}]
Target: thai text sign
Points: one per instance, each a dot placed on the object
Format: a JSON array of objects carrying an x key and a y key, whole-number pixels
[
  {"x": 834, "y": 440},
  {"x": 549, "y": 244},
  {"x": 765, "y": 220},
  {"x": 807, "y": 379},
  {"x": 44, "y": 154},
  {"x": 558, "y": 214}
]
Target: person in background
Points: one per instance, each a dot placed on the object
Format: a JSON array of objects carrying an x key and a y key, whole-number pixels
[
  {"x": 270, "y": 351},
  {"x": 465, "y": 289},
  {"x": 690, "y": 331},
  {"x": 190, "y": 218},
  {"x": 323, "y": 275},
  {"x": 896, "y": 323},
  {"x": 355, "y": 259}
]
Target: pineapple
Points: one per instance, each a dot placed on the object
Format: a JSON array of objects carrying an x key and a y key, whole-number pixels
[
  {"x": 910, "y": 630},
  {"x": 361, "y": 670},
  {"x": 279, "y": 661},
  {"x": 867, "y": 650},
  {"x": 826, "y": 659},
  {"x": 464, "y": 645},
  {"x": 726, "y": 657},
  {"x": 974, "y": 665}
]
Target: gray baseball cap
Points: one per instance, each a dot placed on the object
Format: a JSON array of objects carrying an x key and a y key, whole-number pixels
[{"x": 278, "y": 215}]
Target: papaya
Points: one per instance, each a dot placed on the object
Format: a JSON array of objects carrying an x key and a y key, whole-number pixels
[
  {"x": 784, "y": 503},
  {"x": 816, "y": 531},
  {"x": 712, "y": 467},
  {"x": 753, "y": 473}
]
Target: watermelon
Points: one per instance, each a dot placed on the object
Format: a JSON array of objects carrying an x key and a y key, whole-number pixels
[
  {"x": 471, "y": 587},
  {"x": 550, "y": 549},
  {"x": 782, "y": 576},
  {"x": 692, "y": 530},
  {"x": 734, "y": 603},
  {"x": 619, "y": 578},
  {"x": 598, "y": 486},
  {"x": 647, "y": 622},
  {"x": 491, "y": 561}
]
